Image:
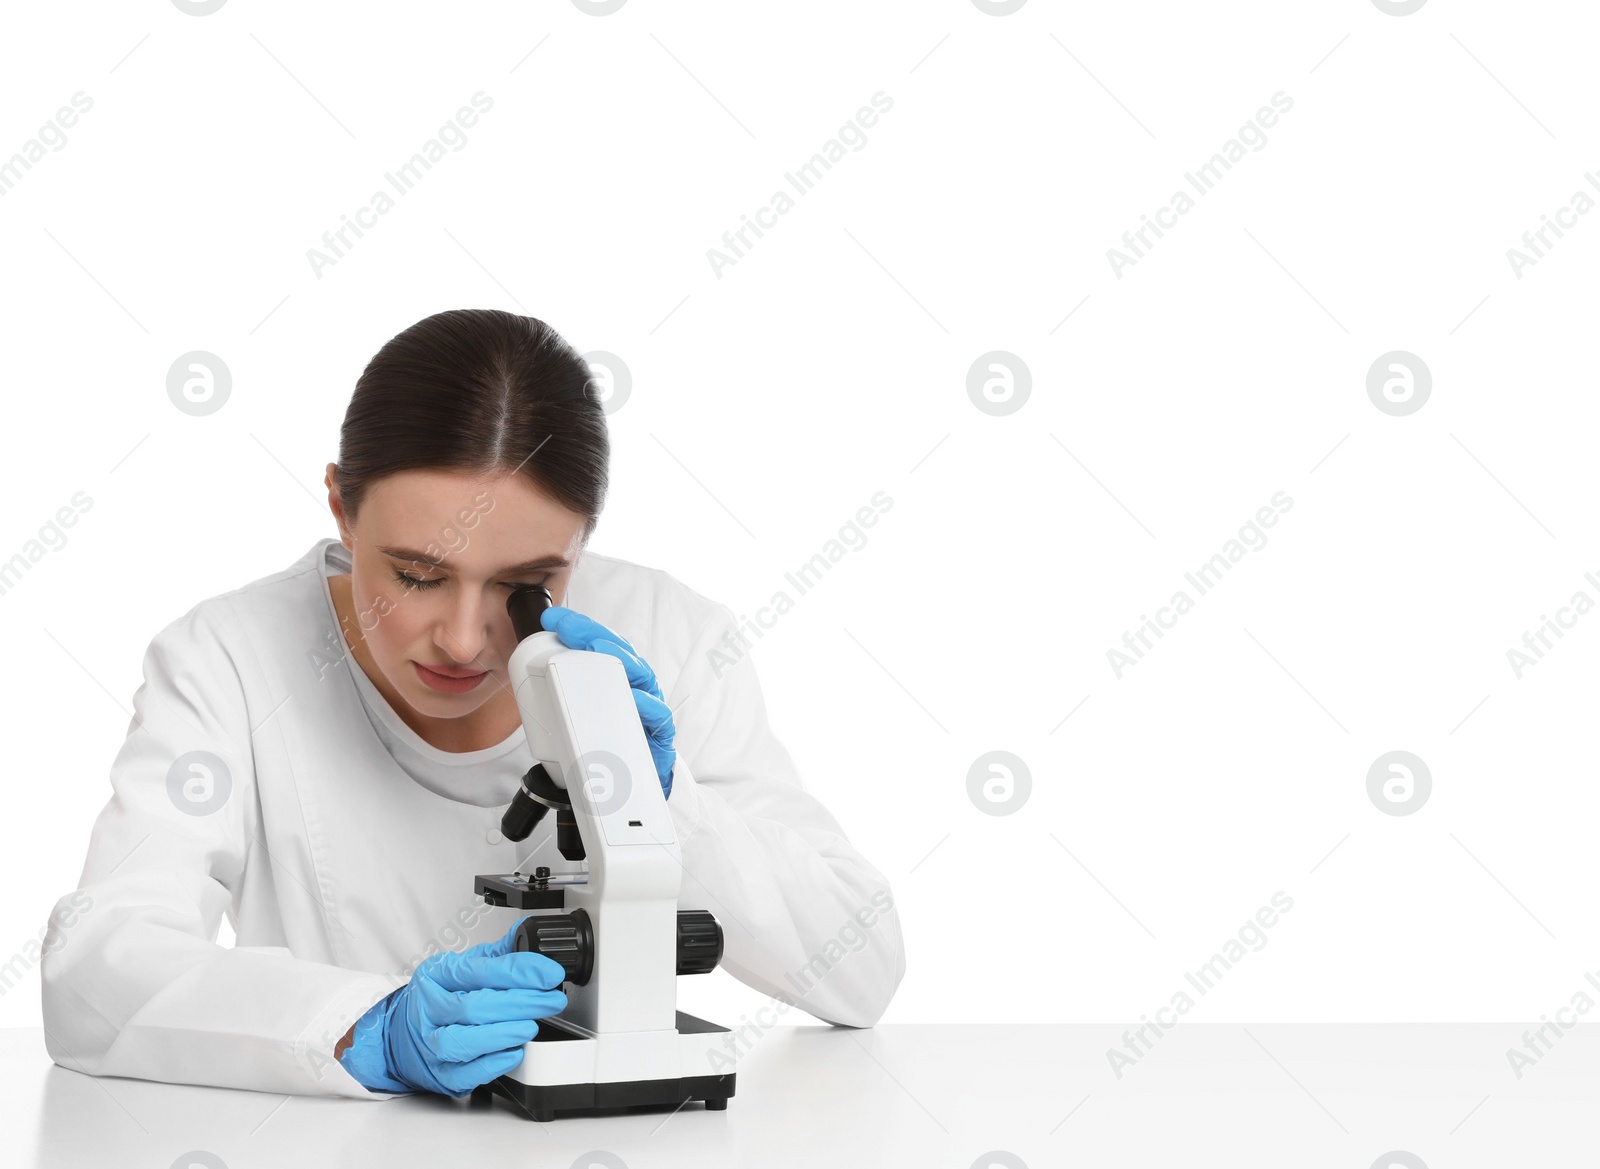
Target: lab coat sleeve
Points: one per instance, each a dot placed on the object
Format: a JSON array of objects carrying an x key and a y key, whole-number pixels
[
  {"x": 805, "y": 917},
  {"x": 133, "y": 981}
]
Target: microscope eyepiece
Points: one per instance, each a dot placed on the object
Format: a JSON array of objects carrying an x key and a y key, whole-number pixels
[{"x": 527, "y": 604}]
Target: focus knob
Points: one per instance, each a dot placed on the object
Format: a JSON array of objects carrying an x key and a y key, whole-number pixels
[
  {"x": 699, "y": 942},
  {"x": 567, "y": 938}
]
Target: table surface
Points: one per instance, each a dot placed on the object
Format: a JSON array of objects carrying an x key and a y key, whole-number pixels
[{"x": 1353, "y": 1096}]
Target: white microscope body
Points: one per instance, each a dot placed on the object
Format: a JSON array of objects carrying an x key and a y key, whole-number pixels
[{"x": 621, "y": 1040}]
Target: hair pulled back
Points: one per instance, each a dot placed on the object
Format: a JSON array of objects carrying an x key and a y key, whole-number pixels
[{"x": 484, "y": 392}]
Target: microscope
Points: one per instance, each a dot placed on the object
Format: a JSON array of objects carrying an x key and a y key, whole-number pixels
[{"x": 615, "y": 929}]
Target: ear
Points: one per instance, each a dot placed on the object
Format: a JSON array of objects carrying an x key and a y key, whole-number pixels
[{"x": 336, "y": 506}]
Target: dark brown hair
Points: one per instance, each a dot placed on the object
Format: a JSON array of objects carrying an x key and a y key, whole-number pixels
[{"x": 480, "y": 391}]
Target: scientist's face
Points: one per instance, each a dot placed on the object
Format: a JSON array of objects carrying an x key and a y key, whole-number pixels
[{"x": 433, "y": 557}]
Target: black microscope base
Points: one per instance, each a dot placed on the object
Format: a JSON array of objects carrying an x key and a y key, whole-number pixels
[{"x": 542, "y": 1101}]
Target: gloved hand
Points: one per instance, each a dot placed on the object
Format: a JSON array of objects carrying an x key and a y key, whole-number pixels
[
  {"x": 579, "y": 632},
  {"x": 460, "y": 1022}
]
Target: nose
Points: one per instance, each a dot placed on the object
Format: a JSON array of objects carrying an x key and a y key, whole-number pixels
[{"x": 464, "y": 633}]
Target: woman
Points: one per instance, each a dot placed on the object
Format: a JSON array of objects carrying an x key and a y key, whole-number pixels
[{"x": 324, "y": 755}]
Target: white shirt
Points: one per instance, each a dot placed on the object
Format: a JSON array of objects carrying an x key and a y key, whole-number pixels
[{"x": 342, "y": 847}]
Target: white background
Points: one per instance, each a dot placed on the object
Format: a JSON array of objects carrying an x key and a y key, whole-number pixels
[{"x": 830, "y": 362}]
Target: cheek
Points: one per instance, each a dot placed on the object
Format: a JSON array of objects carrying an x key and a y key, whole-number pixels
[{"x": 390, "y": 621}]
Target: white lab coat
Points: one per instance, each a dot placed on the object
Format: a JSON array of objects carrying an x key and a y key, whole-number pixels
[{"x": 339, "y": 872}]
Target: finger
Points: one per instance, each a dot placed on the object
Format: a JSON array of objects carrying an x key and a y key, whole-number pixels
[
  {"x": 460, "y": 1078},
  {"x": 528, "y": 970},
  {"x": 576, "y": 630},
  {"x": 664, "y": 761},
  {"x": 464, "y": 1042},
  {"x": 655, "y": 714},
  {"x": 492, "y": 1006},
  {"x": 640, "y": 675},
  {"x": 504, "y": 945}
]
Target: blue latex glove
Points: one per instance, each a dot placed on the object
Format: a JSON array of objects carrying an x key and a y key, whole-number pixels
[
  {"x": 579, "y": 632},
  {"x": 460, "y": 1022}
]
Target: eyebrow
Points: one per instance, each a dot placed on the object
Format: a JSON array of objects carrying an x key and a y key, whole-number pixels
[{"x": 530, "y": 566}]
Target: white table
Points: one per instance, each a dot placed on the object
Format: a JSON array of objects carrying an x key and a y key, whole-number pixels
[{"x": 1207, "y": 1094}]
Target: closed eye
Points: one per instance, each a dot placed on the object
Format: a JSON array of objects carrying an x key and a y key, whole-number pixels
[{"x": 412, "y": 582}]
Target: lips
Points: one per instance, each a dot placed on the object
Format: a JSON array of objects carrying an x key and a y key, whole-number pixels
[
  {"x": 452, "y": 671},
  {"x": 448, "y": 683}
]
